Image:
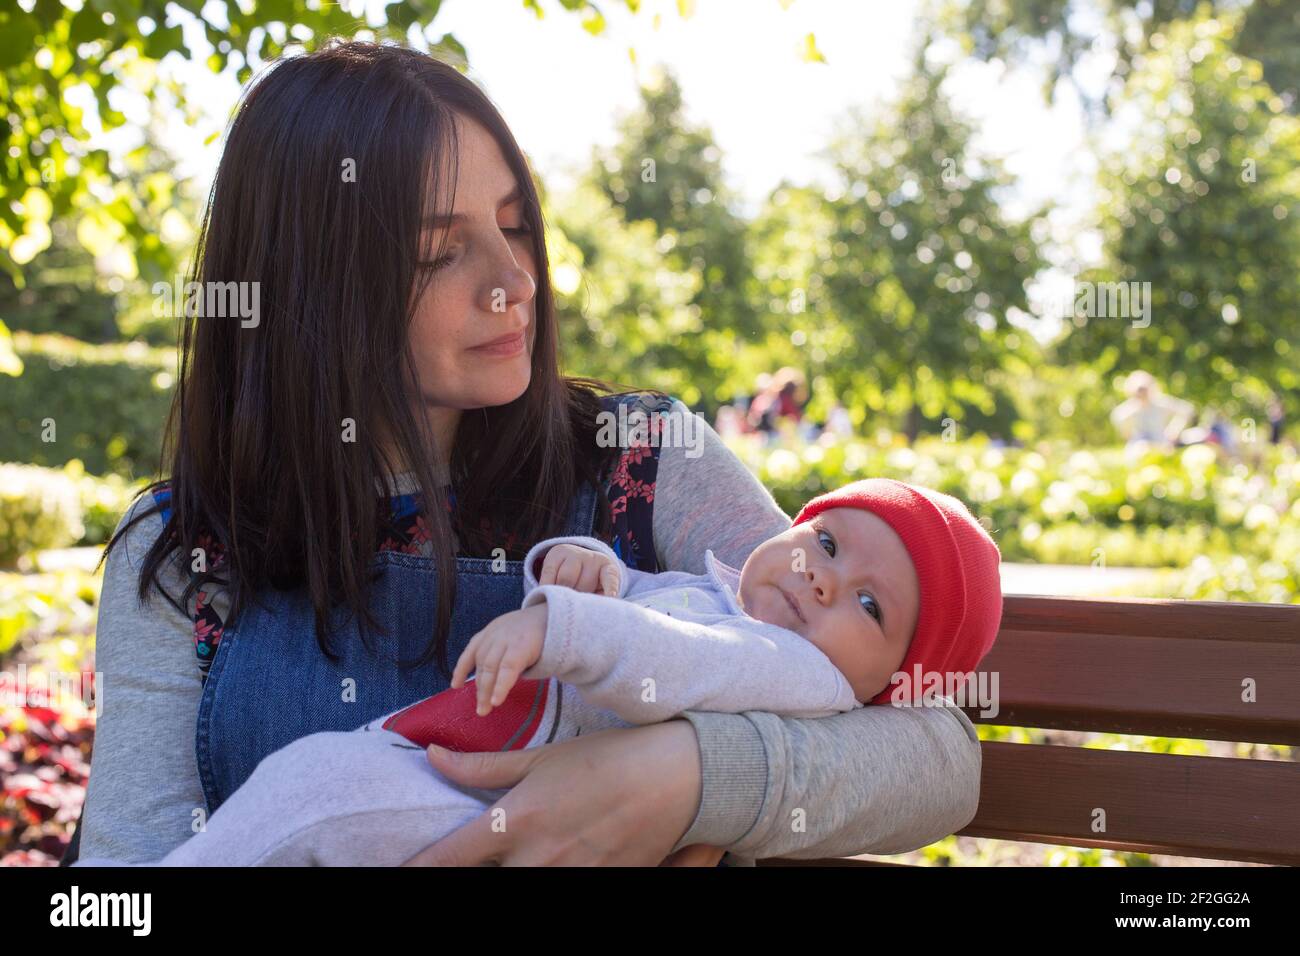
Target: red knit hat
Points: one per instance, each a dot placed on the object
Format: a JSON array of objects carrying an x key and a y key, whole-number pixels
[{"x": 956, "y": 566}]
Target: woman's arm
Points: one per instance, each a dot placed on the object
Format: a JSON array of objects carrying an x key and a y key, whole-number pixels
[
  {"x": 144, "y": 780},
  {"x": 873, "y": 780}
]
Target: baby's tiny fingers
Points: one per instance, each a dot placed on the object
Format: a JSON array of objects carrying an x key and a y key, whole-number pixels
[
  {"x": 505, "y": 681},
  {"x": 490, "y": 661},
  {"x": 548, "y": 572},
  {"x": 569, "y": 572},
  {"x": 463, "y": 666},
  {"x": 484, "y": 679},
  {"x": 609, "y": 580}
]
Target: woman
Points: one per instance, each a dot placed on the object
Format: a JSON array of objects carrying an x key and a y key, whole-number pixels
[{"x": 392, "y": 225}]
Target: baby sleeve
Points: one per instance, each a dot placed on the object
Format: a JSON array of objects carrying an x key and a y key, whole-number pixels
[{"x": 537, "y": 553}]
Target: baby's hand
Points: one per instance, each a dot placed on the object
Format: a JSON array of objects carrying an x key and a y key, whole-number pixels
[
  {"x": 582, "y": 569},
  {"x": 500, "y": 652}
]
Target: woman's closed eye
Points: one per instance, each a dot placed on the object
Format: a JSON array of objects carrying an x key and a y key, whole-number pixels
[
  {"x": 871, "y": 606},
  {"x": 443, "y": 261},
  {"x": 440, "y": 263}
]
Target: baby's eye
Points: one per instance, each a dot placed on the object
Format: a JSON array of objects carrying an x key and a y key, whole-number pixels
[
  {"x": 874, "y": 608},
  {"x": 831, "y": 549}
]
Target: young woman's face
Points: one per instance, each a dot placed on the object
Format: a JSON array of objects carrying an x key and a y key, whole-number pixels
[
  {"x": 854, "y": 584},
  {"x": 482, "y": 287}
]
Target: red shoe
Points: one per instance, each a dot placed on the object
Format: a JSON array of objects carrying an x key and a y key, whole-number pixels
[{"x": 450, "y": 719}]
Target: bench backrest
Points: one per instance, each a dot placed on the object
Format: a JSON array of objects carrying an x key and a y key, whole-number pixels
[{"x": 1202, "y": 670}]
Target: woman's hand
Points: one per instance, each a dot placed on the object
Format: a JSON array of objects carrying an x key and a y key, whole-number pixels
[
  {"x": 620, "y": 797},
  {"x": 697, "y": 854},
  {"x": 581, "y": 569},
  {"x": 498, "y": 654}
]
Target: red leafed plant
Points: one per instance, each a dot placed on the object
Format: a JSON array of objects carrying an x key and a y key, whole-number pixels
[{"x": 44, "y": 765}]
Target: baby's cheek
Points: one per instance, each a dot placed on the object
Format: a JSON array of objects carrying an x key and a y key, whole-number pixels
[{"x": 867, "y": 670}]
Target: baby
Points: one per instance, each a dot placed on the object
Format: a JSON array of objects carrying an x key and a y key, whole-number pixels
[{"x": 870, "y": 583}]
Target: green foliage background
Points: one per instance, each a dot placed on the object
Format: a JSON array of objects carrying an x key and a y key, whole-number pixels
[{"x": 901, "y": 288}]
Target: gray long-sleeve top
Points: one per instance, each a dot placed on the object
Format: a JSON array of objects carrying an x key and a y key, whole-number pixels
[{"x": 871, "y": 780}]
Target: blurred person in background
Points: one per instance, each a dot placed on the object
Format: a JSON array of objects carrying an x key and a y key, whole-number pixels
[
  {"x": 1276, "y": 421},
  {"x": 1218, "y": 432},
  {"x": 838, "y": 425},
  {"x": 730, "y": 421},
  {"x": 784, "y": 397},
  {"x": 1148, "y": 416}
]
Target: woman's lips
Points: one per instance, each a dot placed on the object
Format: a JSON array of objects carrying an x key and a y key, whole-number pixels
[{"x": 508, "y": 345}]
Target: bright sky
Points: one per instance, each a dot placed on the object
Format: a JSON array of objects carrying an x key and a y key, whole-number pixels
[{"x": 741, "y": 69}]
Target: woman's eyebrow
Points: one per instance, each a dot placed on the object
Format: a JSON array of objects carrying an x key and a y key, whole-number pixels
[{"x": 446, "y": 219}]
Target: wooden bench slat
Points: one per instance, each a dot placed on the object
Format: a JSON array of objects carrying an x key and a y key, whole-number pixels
[
  {"x": 1211, "y": 807},
  {"x": 1135, "y": 684},
  {"x": 1170, "y": 669},
  {"x": 1153, "y": 617}
]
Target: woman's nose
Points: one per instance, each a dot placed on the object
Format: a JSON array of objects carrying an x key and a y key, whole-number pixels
[{"x": 514, "y": 285}]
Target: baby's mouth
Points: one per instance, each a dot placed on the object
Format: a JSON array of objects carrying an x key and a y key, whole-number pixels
[{"x": 794, "y": 605}]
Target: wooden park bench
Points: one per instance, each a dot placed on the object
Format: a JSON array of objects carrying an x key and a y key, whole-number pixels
[{"x": 1160, "y": 668}]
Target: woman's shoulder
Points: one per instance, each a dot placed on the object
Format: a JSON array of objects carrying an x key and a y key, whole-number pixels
[
  {"x": 183, "y": 607},
  {"x": 709, "y": 499},
  {"x": 139, "y": 527},
  {"x": 124, "y": 618},
  {"x": 158, "y": 499}
]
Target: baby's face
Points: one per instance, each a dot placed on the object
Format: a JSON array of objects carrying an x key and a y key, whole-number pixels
[{"x": 855, "y": 588}]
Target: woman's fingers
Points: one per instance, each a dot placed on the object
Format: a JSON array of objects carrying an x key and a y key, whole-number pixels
[
  {"x": 483, "y": 841},
  {"x": 697, "y": 854},
  {"x": 474, "y": 844},
  {"x": 487, "y": 770},
  {"x": 622, "y": 796}
]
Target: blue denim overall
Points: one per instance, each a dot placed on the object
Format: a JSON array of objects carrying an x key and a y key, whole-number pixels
[{"x": 270, "y": 684}]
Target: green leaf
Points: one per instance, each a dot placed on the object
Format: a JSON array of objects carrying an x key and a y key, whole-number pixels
[
  {"x": 164, "y": 40},
  {"x": 86, "y": 25},
  {"x": 18, "y": 32}
]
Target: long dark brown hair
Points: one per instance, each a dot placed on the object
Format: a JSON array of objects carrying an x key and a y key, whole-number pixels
[{"x": 257, "y": 466}]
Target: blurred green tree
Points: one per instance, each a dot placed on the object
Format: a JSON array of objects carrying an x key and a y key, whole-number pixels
[
  {"x": 49, "y": 48},
  {"x": 1199, "y": 200},
  {"x": 666, "y": 173},
  {"x": 1063, "y": 31},
  {"x": 921, "y": 265}
]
